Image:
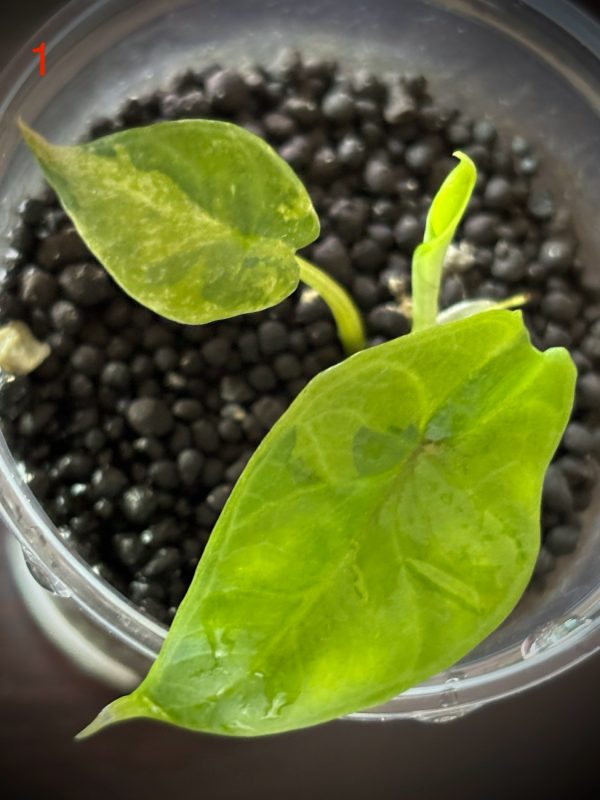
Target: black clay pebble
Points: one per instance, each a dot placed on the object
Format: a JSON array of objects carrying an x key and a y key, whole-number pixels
[
  {"x": 135, "y": 430},
  {"x": 150, "y": 417}
]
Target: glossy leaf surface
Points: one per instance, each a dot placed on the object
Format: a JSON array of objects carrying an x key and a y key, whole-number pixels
[
  {"x": 198, "y": 220},
  {"x": 386, "y": 525}
]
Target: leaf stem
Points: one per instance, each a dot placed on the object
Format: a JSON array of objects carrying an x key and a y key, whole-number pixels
[
  {"x": 347, "y": 316},
  {"x": 466, "y": 308}
]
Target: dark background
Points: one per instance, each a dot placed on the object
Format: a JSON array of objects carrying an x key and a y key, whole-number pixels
[{"x": 541, "y": 744}]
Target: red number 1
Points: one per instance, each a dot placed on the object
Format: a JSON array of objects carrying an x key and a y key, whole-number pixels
[{"x": 42, "y": 51}]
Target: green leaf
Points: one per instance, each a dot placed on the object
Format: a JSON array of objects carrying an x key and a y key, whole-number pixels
[
  {"x": 444, "y": 216},
  {"x": 386, "y": 525},
  {"x": 198, "y": 220}
]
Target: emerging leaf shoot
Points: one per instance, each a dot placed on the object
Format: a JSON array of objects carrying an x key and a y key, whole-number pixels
[{"x": 444, "y": 216}]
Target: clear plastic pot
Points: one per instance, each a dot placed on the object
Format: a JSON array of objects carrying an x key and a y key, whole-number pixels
[{"x": 531, "y": 66}]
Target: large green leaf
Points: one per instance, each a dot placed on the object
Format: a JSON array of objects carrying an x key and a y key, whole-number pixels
[
  {"x": 386, "y": 525},
  {"x": 198, "y": 220}
]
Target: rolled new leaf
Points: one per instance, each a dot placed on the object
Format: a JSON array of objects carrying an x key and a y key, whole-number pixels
[
  {"x": 444, "y": 216},
  {"x": 198, "y": 220},
  {"x": 385, "y": 526}
]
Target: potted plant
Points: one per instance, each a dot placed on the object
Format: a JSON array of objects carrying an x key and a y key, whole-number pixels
[{"x": 219, "y": 86}]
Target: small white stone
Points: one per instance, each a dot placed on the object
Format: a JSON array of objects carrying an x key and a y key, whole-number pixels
[
  {"x": 460, "y": 257},
  {"x": 20, "y": 351}
]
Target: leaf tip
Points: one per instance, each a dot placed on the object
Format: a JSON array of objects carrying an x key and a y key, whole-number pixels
[
  {"x": 27, "y": 132},
  {"x": 118, "y": 711},
  {"x": 463, "y": 157},
  {"x": 468, "y": 168},
  {"x": 35, "y": 141}
]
